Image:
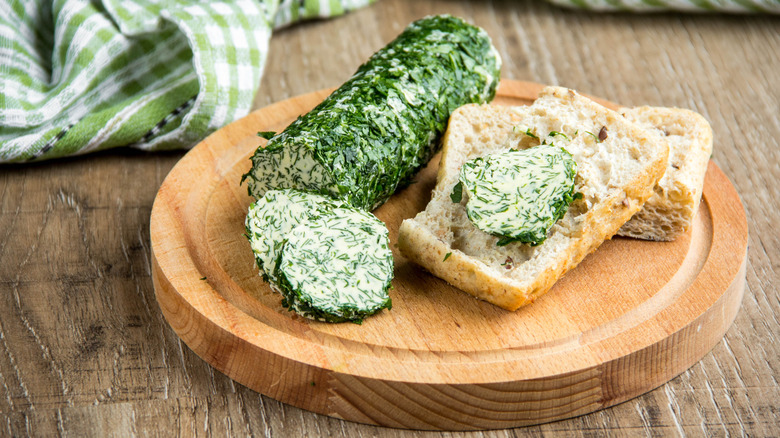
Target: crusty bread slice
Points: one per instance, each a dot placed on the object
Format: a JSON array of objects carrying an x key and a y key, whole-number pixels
[
  {"x": 616, "y": 176},
  {"x": 671, "y": 209}
]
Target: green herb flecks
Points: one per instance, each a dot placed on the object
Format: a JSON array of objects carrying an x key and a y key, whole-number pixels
[
  {"x": 519, "y": 195},
  {"x": 595, "y": 137},
  {"x": 525, "y": 130},
  {"x": 377, "y": 130},
  {"x": 329, "y": 261},
  {"x": 457, "y": 192},
  {"x": 271, "y": 219},
  {"x": 446, "y": 256},
  {"x": 337, "y": 267},
  {"x": 558, "y": 134},
  {"x": 266, "y": 134}
]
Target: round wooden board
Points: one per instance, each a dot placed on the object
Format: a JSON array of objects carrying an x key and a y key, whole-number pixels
[{"x": 632, "y": 316}]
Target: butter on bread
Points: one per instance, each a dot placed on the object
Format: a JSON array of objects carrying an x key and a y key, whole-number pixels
[
  {"x": 671, "y": 209},
  {"x": 617, "y": 170}
]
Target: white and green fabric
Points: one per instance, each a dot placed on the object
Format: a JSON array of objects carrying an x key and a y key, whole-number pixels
[
  {"x": 78, "y": 76},
  {"x": 739, "y": 6}
]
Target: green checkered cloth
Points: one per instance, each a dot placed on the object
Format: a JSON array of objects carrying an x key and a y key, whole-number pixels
[
  {"x": 738, "y": 6},
  {"x": 78, "y": 76}
]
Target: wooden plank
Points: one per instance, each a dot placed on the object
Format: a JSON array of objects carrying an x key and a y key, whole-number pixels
[{"x": 719, "y": 65}]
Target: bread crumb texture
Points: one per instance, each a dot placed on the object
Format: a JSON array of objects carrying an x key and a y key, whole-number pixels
[
  {"x": 619, "y": 164},
  {"x": 675, "y": 201}
]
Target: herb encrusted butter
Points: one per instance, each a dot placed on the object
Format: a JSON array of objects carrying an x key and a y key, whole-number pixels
[
  {"x": 271, "y": 218},
  {"x": 378, "y": 129},
  {"x": 518, "y": 195},
  {"x": 330, "y": 261},
  {"x": 337, "y": 267}
]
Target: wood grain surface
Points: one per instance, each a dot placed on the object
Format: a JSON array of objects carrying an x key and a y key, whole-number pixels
[
  {"x": 632, "y": 316},
  {"x": 85, "y": 350}
]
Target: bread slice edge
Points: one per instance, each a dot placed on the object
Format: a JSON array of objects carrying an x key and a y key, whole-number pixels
[
  {"x": 670, "y": 211},
  {"x": 421, "y": 245}
]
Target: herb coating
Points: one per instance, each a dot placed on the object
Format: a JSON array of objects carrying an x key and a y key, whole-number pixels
[
  {"x": 337, "y": 267},
  {"x": 271, "y": 218},
  {"x": 519, "y": 195},
  {"x": 310, "y": 231},
  {"x": 377, "y": 130},
  {"x": 330, "y": 261}
]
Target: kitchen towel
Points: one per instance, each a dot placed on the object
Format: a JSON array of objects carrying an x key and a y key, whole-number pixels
[{"x": 78, "y": 76}]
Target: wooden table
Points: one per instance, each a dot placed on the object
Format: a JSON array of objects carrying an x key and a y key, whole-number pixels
[{"x": 84, "y": 349}]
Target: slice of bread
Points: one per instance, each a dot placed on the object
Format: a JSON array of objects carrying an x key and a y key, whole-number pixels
[
  {"x": 619, "y": 163},
  {"x": 671, "y": 209}
]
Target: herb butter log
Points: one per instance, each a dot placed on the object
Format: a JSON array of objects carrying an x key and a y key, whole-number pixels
[{"x": 378, "y": 129}]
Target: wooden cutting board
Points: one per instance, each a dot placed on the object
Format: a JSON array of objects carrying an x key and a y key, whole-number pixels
[{"x": 632, "y": 316}]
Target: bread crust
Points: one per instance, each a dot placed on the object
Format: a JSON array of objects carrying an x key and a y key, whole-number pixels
[
  {"x": 673, "y": 206},
  {"x": 475, "y": 130}
]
